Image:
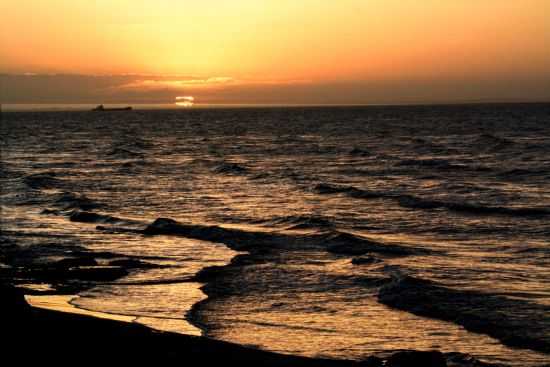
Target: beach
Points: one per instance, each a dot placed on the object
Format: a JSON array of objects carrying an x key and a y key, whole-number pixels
[{"x": 32, "y": 335}]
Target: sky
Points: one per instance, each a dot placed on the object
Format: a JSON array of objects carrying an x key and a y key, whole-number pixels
[{"x": 274, "y": 51}]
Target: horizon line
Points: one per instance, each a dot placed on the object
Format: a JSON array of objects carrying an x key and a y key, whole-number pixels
[{"x": 51, "y": 107}]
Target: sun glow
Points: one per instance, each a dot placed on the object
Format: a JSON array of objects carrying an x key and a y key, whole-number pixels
[
  {"x": 185, "y": 101},
  {"x": 249, "y": 51}
]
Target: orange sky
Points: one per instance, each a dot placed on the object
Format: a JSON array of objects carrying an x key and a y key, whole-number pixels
[{"x": 211, "y": 47}]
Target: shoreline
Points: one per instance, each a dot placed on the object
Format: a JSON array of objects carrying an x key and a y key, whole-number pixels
[
  {"x": 82, "y": 334},
  {"x": 64, "y": 303},
  {"x": 38, "y": 335},
  {"x": 43, "y": 332},
  {"x": 224, "y": 281},
  {"x": 216, "y": 282}
]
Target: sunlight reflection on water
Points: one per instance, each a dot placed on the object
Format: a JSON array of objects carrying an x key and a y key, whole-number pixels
[{"x": 258, "y": 170}]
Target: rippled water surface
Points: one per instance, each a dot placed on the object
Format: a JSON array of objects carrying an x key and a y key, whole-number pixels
[{"x": 465, "y": 189}]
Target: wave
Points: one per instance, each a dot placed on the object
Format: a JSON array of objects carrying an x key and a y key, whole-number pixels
[
  {"x": 134, "y": 163},
  {"x": 136, "y": 143},
  {"x": 43, "y": 180},
  {"x": 333, "y": 241},
  {"x": 123, "y": 153},
  {"x": 90, "y": 217},
  {"x": 351, "y": 191},
  {"x": 429, "y": 146},
  {"x": 7, "y": 171},
  {"x": 324, "y": 188},
  {"x": 439, "y": 164},
  {"x": 410, "y": 201},
  {"x": 494, "y": 315},
  {"x": 70, "y": 200},
  {"x": 292, "y": 174},
  {"x": 78, "y": 208},
  {"x": 359, "y": 152},
  {"x": 133, "y": 263},
  {"x": 230, "y": 168},
  {"x": 299, "y": 222},
  {"x": 415, "y": 202},
  {"x": 349, "y": 244},
  {"x": 365, "y": 260},
  {"x": 492, "y": 143},
  {"x": 522, "y": 173}
]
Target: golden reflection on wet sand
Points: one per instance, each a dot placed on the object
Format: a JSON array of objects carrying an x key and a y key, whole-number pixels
[{"x": 62, "y": 303}]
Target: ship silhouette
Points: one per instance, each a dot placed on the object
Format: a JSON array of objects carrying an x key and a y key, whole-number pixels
[{"x": 102, "y": 108}]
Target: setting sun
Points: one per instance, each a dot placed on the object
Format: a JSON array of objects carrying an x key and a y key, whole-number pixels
[{"x": 185, "y": 101}]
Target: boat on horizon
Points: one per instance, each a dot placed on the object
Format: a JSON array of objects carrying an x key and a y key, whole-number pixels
[{"x": 102, "y": 108}]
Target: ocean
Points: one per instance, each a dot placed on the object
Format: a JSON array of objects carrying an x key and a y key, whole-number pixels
[{"x": 319, "y": 231}]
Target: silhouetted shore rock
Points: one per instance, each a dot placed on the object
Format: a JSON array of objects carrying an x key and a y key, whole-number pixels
[
  {"x": 12, "y": 301},
  {"x": 416, "y": 358},
  {"x": 77, "y": 270}
]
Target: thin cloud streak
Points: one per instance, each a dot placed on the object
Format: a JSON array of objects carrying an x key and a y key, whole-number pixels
[{"x": 135, "y": 88}]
